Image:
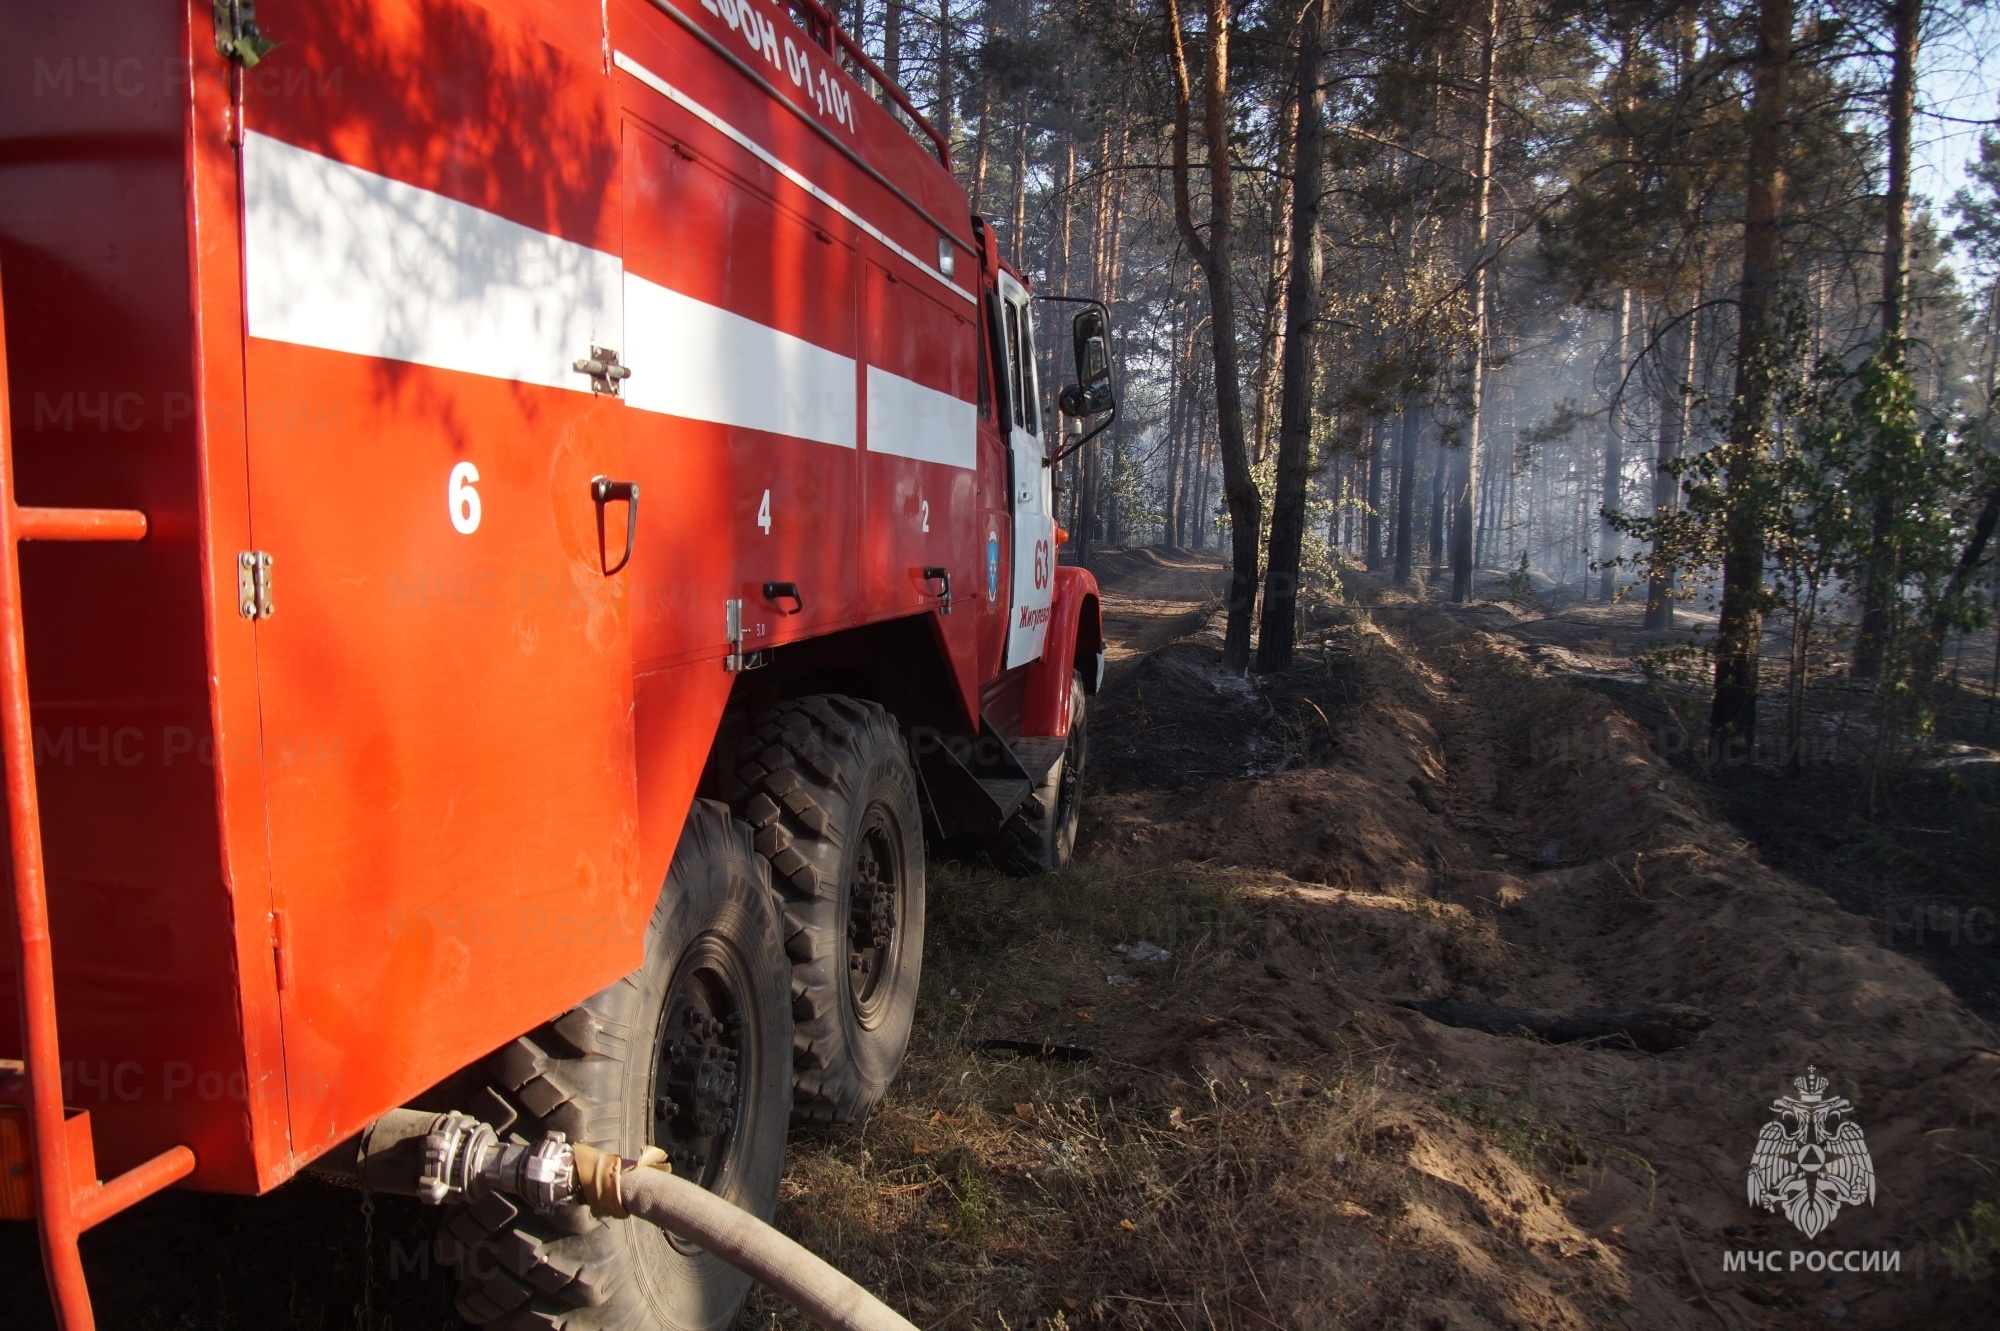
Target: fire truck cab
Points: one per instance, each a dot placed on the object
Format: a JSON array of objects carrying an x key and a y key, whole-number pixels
[{"x": 531, "y": 515}]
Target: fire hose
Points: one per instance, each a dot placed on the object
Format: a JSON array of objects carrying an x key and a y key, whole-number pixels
[{"x": 440, "y": 1158}]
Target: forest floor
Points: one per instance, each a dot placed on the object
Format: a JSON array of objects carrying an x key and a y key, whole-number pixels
[
  {"x": 1431, "y": 803},
  {"x": 1484, "y": 803}
]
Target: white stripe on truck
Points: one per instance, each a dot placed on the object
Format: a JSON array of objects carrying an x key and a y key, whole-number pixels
[
  {"x": 341, "y": 258},
  {"x": 697, "y": 360},
  {"x": 911, "y": 421}
]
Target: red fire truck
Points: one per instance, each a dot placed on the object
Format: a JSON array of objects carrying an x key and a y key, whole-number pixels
[{"x": 522, "y": 519}]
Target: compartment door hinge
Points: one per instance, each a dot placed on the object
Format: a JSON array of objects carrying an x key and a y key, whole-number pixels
[
  {"x": 732, "y": 620},
  {"x": 281, "y": 962},
  {"x": 253, "y": 584}
]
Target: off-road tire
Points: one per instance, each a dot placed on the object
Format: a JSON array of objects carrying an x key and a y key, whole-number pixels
[
  {"x": 590, "y": 1074},
  {"x": 826, "y": 782},
  {"x": 1041, "y": 835}
]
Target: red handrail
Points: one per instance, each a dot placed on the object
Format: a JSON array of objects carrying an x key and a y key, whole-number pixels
[
  {"x": 882, "y": 80},
  {"x": 79, "y": 524},
  {"x": 65, "y": 1204}
]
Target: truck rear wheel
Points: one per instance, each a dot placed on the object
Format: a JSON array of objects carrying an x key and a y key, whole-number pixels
[
  {"x": 691, "y": 1053},
  {"x": 826, "y": 781},
  {"x": 1041, "y": 835}
]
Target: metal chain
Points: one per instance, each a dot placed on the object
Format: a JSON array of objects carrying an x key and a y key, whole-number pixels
[{"x": 367, "y": 1259}]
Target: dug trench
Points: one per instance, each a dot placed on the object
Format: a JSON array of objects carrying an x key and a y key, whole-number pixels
[
  {"x": 1262, "y": 1133},
  {"x": 1254, "y": 1130}
]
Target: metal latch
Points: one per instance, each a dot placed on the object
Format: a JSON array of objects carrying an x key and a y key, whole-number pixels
[
  {"x": 604, "y": 371},
  {"x": 738, "y": 659},
  {"x": 253, "y": 584},
  {"x": 237, "y": 35},
  {"x": 943, "y": 578}
]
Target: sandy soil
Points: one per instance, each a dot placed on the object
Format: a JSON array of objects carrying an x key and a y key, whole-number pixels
[{"x": 1150, "y": 597}]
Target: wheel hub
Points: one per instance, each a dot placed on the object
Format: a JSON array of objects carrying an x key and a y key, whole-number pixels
[
  {"x": 871, "y": 922},
  {"x": 700, "y": 1076},
  {"x": 871, "y": 909}
]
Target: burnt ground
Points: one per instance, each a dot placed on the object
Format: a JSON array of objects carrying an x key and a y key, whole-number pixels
[
  {"x": 1923, "y": 868},
  {"x": 1921, "y": 862}
]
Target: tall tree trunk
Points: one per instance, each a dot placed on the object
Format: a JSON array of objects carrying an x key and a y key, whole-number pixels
[
  {"x": 892, "y": 40},
  {"x": 1440, "y": 475},
  {"x": 1288, "y": 500},
  {"x": 1194, "y": 445},
  {"x": 1062, "y": 244},
  {"x": 1204, "y": 478},
  {"x": 1508, "y": 483},
  {"x": 941, "y": 105},
  {"x": 1114, "y": 234},
  {"x": 1017, "y": 216},
  {"x": 1989, "y": 512},
  {"x": 1906, "y": 25},
  {"x": 1968, "y": 564},
  {"x": 1090, "y": 464},
  {"x": 1170, "y": 519},
  {"x": 1406, "y": 492},
  {"x": 1264, "y": 395},
  {"x": 1378, "y": 441},
  {"x": 1063, "y": 217},
  {"x": 1465, "y": 467},
  {"x": 1214, "y": 256},
  {"x": 982, "y": 142},
  {"x": 1676, "y": 417},
  {"x": 1340, "y": 519},
  {"x": 1733, "y": 713},
  {"x": 1614, "y": 461}
]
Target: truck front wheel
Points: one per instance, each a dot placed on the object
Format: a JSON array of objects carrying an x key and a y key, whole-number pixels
[
  {"x": 691, "y": 1053},
  {"x": 826, "y": 781}
]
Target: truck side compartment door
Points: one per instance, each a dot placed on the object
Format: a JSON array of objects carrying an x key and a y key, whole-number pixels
[
  {"x": 920, "y": 456},
  {"x": 444, "y": 662},
  {"x": 743, "y": 402}
]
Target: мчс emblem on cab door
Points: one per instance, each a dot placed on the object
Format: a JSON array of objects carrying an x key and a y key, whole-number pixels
[{"x": 1811, "y": 1159}]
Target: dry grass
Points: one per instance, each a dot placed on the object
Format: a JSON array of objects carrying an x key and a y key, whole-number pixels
[{"x": 1019, "y": 1192}]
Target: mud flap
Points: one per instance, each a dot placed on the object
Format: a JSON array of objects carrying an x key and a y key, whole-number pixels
[{"x": 970, "y": 787}]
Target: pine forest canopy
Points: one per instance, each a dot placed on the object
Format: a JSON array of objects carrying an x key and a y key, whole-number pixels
[{"x": 1631, "y": 299}]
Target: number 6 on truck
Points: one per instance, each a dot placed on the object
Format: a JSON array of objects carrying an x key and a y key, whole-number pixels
[{"x": 463, "y": 499}]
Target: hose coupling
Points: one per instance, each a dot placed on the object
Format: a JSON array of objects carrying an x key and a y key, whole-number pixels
[{"x": 463, "y": 1161}]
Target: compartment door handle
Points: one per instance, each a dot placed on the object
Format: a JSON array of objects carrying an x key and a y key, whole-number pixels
[
  {"x": 785, "y": 591},
  {"x": 604, "y": 490}
]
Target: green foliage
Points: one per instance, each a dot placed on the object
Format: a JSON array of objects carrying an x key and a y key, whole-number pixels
[
  {"x": 1319, "y": 567},
  {"x": 1520, "y": 583},
  {"x": 969, "y": 1201},
  {"x": 1974, "y": 1247},
  {"x": 1978, "y": 207},
  {"x": 1856, "y": 491},
  {"x": 1517, "y": 1129}
]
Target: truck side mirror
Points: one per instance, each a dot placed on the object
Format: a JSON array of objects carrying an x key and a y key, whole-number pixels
[{"x": 1092, "y": 392}]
